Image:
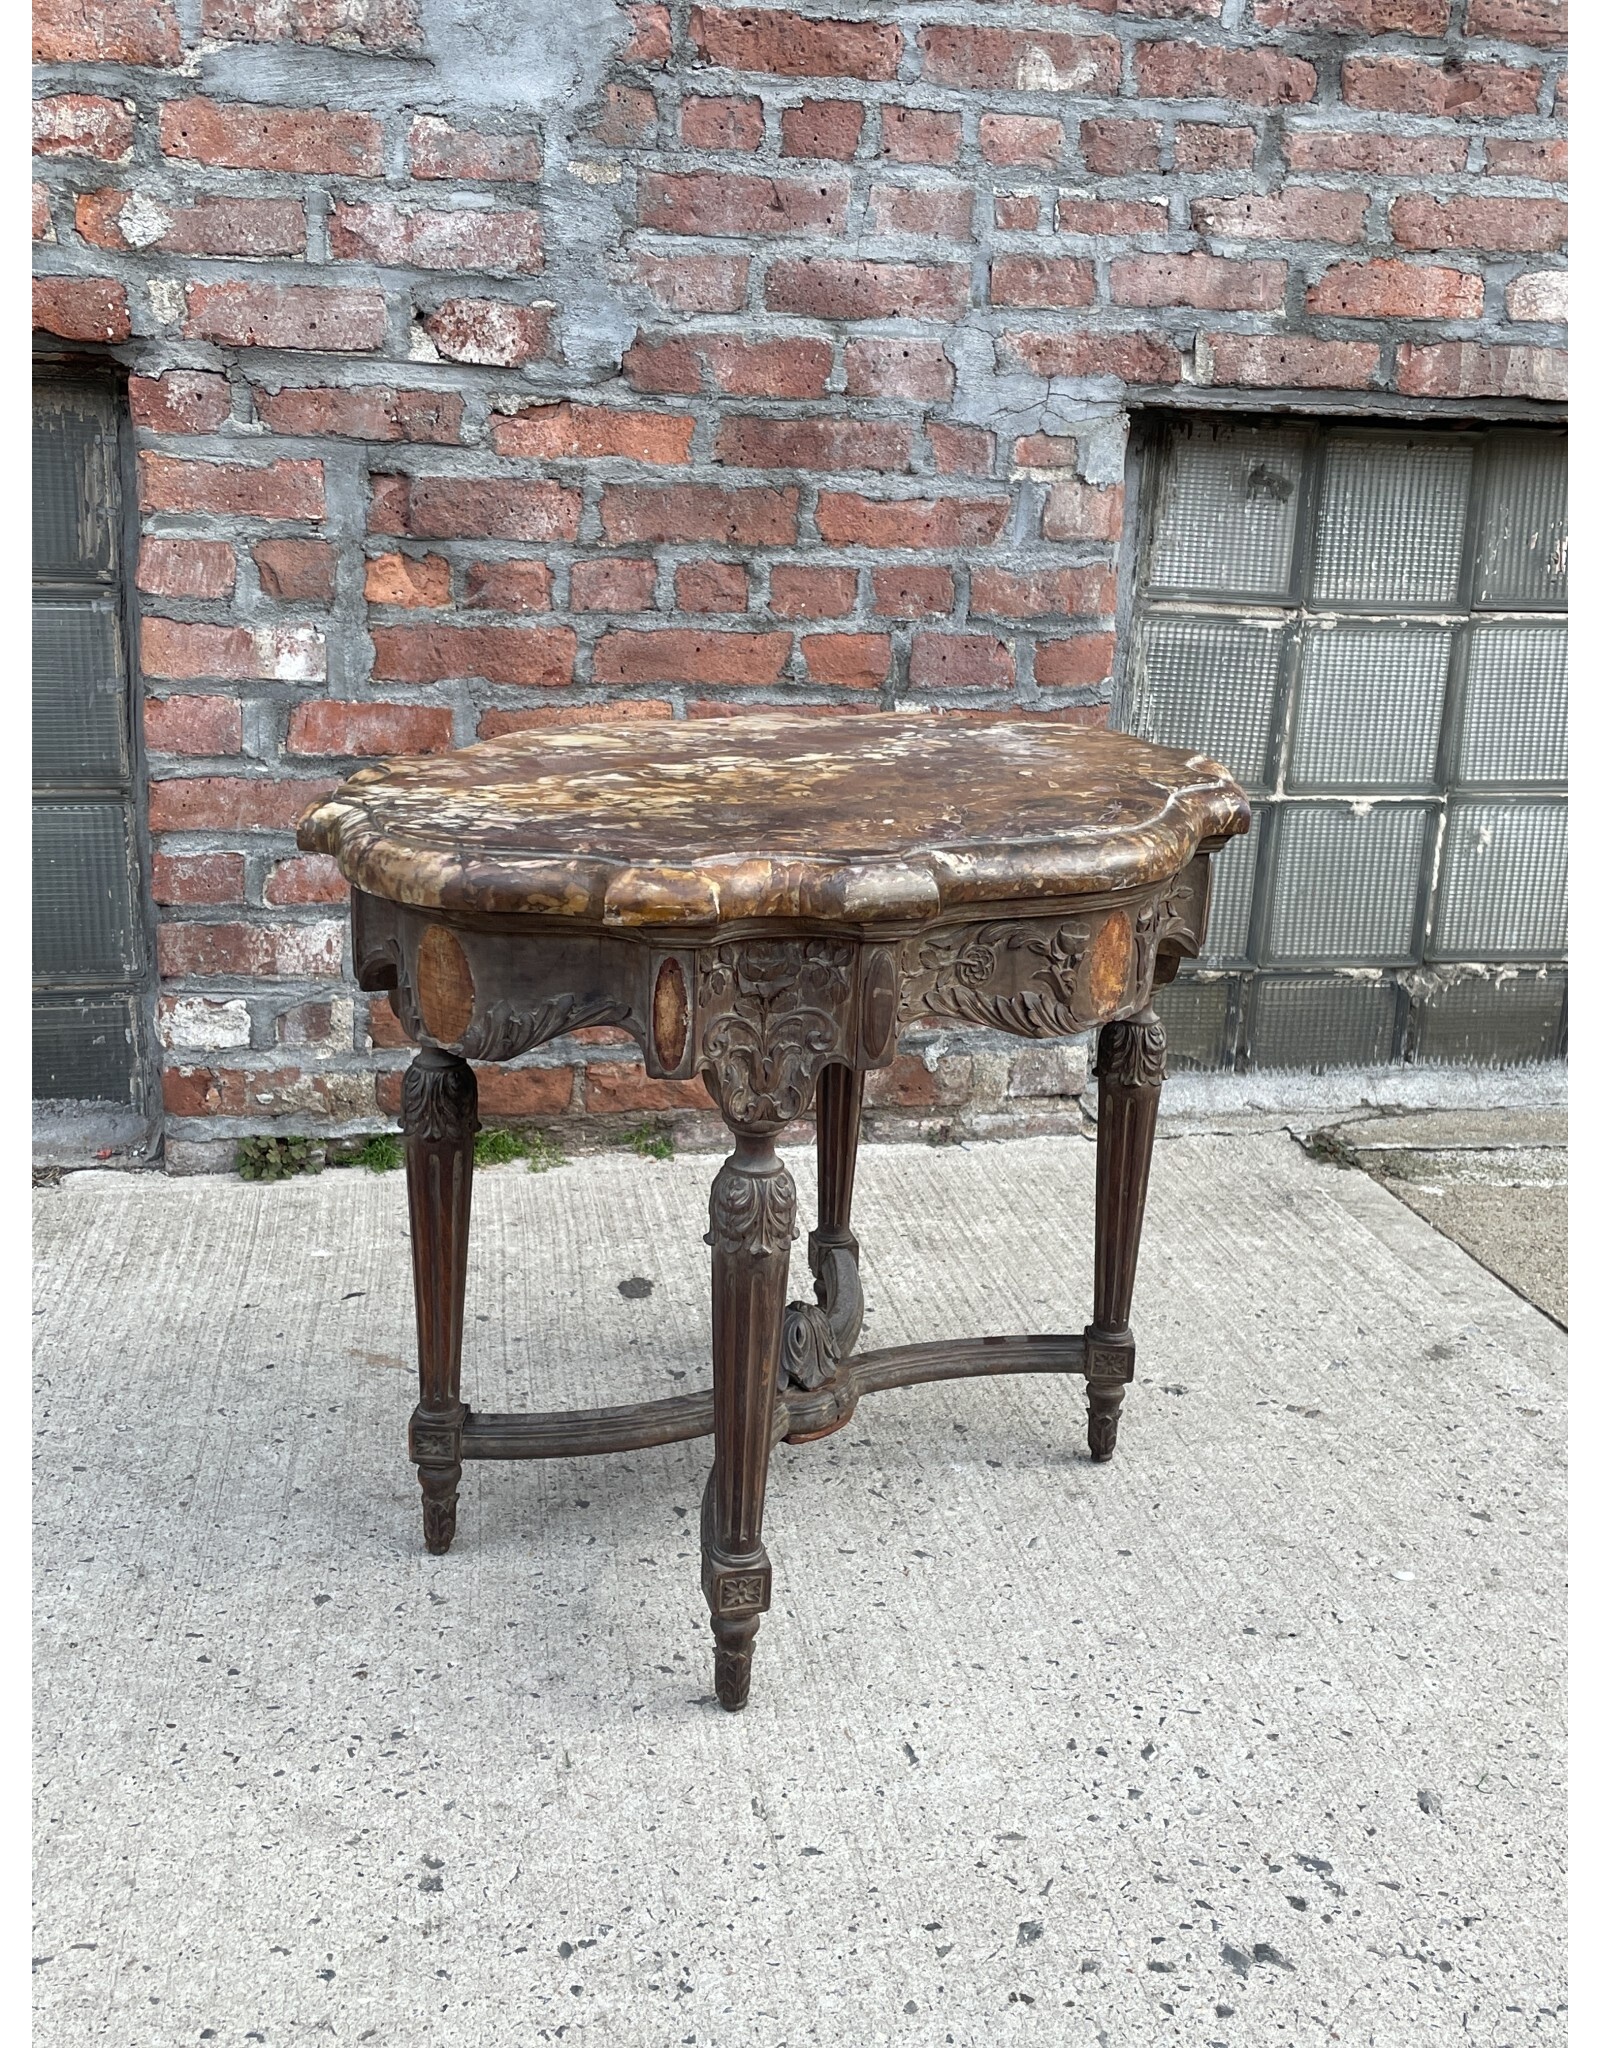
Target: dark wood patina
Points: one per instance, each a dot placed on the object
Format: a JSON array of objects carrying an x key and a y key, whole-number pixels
[{"x": 768, "y": 902}]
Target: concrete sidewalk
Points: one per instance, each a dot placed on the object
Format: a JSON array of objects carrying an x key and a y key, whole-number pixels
[{"x": 1251, "y": 1737}]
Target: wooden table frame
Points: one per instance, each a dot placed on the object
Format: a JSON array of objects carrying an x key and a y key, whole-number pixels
[{"x": 780, "y": 1017}]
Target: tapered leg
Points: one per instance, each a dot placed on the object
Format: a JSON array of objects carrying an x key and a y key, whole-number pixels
[
  {"x": 839, "y": 1091},
  {"x": 1130, "y": 1065},
  {"x": 440, "y": 1117},
  {"x": 752, "y": 1224}
]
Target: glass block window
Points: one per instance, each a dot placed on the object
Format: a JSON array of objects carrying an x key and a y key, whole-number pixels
[
  {"x": 1367, "y": 626},
  {"x": 90, "y": 951}
]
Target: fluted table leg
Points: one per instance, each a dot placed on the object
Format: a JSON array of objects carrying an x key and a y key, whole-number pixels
[
  {"x": 1130, "y": 1065},
  {"x": 439, "y": 1114}
]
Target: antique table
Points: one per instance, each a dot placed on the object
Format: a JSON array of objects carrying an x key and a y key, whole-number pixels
[{"x": 767, "y": 902}]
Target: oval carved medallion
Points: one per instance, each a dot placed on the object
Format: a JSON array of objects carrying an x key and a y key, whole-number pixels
[
  {"x": 669, "y": 1015},
  {"x": 445, "y": 992},
  {"x": 879, "y": 1000}
]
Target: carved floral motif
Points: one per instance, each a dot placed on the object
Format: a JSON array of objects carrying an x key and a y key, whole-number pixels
[
  {"x": 515, "y": 1024},
  {"x": 773, "y": 1014},
  {"x": 439, "y": 1100},
  {"x": 752, "y": 1213},
  {"x": 1020, "y": 977},
  {"x": 1132, "y": 1053}
]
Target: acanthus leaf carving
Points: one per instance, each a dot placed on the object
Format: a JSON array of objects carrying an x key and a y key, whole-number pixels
[
  {"x": 516, "y": 1024},
  {"x": 752, "y": 1213},
  {"x": 1132, "y": 1053},
  {"x": 439, "y": 1100},
  {"x": 1018, "y": 976},
  {"x": 772, "y": 1014}
]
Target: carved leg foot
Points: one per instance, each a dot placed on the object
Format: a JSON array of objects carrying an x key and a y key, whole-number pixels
[
  {"x": 1130, "y": 1065},
  {"x": 440, "y": 1115},
  {"x": 752, "y": 1223}
]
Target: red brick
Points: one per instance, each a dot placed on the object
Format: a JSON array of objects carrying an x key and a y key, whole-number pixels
[
  {"x": 81, "y": 308},
  {"x": 1396, "y": 291},
  {"x": 846, "y": 519},
  {"x": 663, "y": 363},
  {"x": 847, "y": 661},
  {"x": 767, "y": 369},
  {"x": 508, "y": 586},
  {"x": 842, "y": 288},
  {"x": 1357, "y": 17},
  {"x": 1075, "y": 663},
  {"x": 506, "y": 243},
  {"x": 627, "y": 117},
  {"x": 297, "y": 571},
  {"x": 185, "y": 568},
  {"x": 650, "y": 37},
  {"x": 474, "y": 508},
  {"x": 363, "y": 412},
  {"x": 43, "y": 221},
  {"x": 1087, "y": 593},
  {"x": 272, "y": 490},
  {"x": 208, "y": 227},
  {"x": 1469, "y": 369},
  {"x": 572, "y": 432},
  {"x": 1016, "y": 60},
  {"x": 1474, "y": 223},
  {"x": 1295, "y": 361},
  {"x": 721, "y": 124},
  {"x": 738, "y": 203},
  {"x": 1212, "y": 71},
  {"x": 917, "y": 135},
  {"x": 83, "y": 124},
  {"x": 622, "y": 1086},
  {"x": 1215, "y": 282},
  {"x": 884, "y": 366},
  {"x": 1020, "y": 139},
  {"x": 383, "y": 1026},
  {"x": 495, "y": 725},
  {"x": 1161, "y": 10},
  {"x": 197, "y": 877},
  {"x": 823, "y": 128},
  {"x": 943, "y": 211},
  {"x": 541, "y": 655},
  {"x": 1374, "y": 152},
  {"x": 1114, "y": 148},
  {"x": 1111, "y": 216},
  {"x": 621, "y": 585},
  {"x": 753, "y": 442},
  {"x": 232, "y": 803},
  {"x": 712, "y": 587},
  {"x": 524, "y": 1091},
  {"x": 961, "y": 451},
  {"x": 304, "y": 1024},
  {"x": 1299, "y": 213},
  {"x": 489, "y": 331},
  {"x": 106, "y": 32},
  {"x": 438, "y": 150},
  {"x": 288, "y": 951},
  {"x": 193, "y": 725},
  {"x": 1074, "y": 511},
  {"x": 179, "y": 651},
  {"x": 1537, "y": 295},
  {"x": 1045, "y": 454},
  {"x": 1413, "y": 85},
  {"x": 961, "y": 661},
  {"x": 390, "y": 28},
  {"x": 415, "y": 582},
  {"x": 1041, "y": 281},
  {"x": 1016, "y": 211},
  {"x": 244, "y": 315},
  {"x": 710, "y": 707},
  {"x": 372, "y": 730},
  {"x": 1095, "y": 352},
  {"x": 308, "y": 878},
  {"x": 1519, "y": 21},
  {"x": 1514, "y": 159},
  {"x": 1210, "y": 146},
  {"x": 680, "y": 655},
  {"x": 913, "y": 593},
  {"x": 789, "y": 45},
  {"x": 698, "y": 512},
  {"x": 910, "y": 1083},
  {"x": 811, "y": 593},
  {"x": 694, "y": 284},
  {"x": 179, "y": 402},
  {"x": 304, "y": 140}
]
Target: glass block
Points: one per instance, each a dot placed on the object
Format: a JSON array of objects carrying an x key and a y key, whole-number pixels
[
  {"x": 1522, "y": 531},
  {"x": 1347, "y": 880},
  {"x": 1226, "y": 508},
  {"x": 1494, "y": 1020},
  {"x": 1514, "y": 713},
  {"x": 1503, "y": 887},
  {"x": 1195, "y": 1017},
  {"x": 1392, "y": 520},
  {"x": 83, "y": 921},
  {"x": 75, "y": 496},
  {"x": 79, "y": 699},
  {"x": 1233, "y": 873},
  {"x": 1369, "y": 705},
  {"x": 1322, "y": 1020},
  {"x": 83, "y": 1051},
  {"x": 1209, "y": 685}
]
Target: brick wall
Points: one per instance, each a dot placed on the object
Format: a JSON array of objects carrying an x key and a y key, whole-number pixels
[{"x": 498, "y": 368}]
